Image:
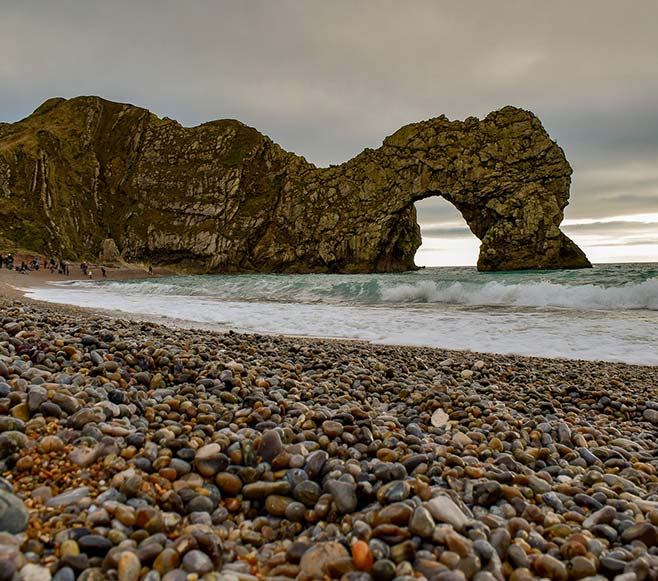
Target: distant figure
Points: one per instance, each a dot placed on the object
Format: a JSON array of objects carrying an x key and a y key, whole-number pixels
[
  {"x": 150, "y": 269},
  {"x": 103, "y": 271},
  {"x": 91, "y": 274}
]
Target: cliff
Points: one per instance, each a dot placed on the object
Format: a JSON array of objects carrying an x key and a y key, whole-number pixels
[{"x": 221, "y": 197}]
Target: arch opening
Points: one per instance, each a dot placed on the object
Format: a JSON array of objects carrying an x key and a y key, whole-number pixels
[{"x": 446, "y": 238}]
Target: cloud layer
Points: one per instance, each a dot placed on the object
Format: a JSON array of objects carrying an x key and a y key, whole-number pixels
[{"x": 326, "y": 79}]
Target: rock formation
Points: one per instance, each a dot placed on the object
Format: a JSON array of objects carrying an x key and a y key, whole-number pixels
[{"x": 221, "y": 197}]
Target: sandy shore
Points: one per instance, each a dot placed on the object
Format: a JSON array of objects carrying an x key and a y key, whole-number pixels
[{"x": 12, "y": 281}]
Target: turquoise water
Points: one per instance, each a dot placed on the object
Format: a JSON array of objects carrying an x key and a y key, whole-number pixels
[{"x": 609, "y": 312}]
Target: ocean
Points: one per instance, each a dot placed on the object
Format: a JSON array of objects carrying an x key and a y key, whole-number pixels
[{"x": 608, "y": 313}]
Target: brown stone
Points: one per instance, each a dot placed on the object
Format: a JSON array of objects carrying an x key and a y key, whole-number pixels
[
  {"x": 314, "y": 561},
  {"x": 241, "y": 203}
]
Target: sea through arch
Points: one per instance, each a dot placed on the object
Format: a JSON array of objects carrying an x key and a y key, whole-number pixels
[{"x": 446, "y": 238}]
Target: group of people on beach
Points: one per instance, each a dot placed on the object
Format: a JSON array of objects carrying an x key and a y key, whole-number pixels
[
  {"x": 10, "y": 263},
  {"x": 49, "y": 264}
]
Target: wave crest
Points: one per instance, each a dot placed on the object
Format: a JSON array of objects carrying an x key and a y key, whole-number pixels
[
  {"x": 544, "y": 294},
  {"x": 385, "y": 289}
]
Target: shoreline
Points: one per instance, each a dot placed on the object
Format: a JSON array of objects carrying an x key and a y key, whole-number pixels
[
  {"x": 134, "y": 446},
  {"x": 11, "y": 290}
]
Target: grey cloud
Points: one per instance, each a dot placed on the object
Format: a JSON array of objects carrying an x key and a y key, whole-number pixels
[
  {"x": 634, "y": 242},
  {"x": 613, "y": 228},
  {"x": 326, "y": 79},
  {"x": 446, "y": 232}
]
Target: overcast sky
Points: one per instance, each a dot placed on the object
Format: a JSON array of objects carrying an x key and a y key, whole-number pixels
[{"x": 327, "y": 78}]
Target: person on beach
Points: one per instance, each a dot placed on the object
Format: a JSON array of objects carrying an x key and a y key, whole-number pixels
[
  {"x": 150, "y": 269},
  {"x": 90, "y": 273},
  {"x": 103, "y": 272}
]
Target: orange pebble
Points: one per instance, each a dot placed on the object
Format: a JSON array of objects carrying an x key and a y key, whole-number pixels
[{"x": 362, "y": 556}]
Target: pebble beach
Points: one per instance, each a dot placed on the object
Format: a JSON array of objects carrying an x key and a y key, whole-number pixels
[{"x": 131, "y": 450}]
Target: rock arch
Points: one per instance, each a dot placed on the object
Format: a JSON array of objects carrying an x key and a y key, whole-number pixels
[
  {"x": 504, "y": 175},
  {"x": 221, "y": 197}
]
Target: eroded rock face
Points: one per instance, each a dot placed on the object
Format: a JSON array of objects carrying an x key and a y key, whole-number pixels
[{"x": 222, "y": 197}]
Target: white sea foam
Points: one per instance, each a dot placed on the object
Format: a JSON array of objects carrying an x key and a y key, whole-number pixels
[
  {"x": 629, "y": 336},
  {"x": 642, "y": 295},
  {"x": 387, "y": 289}
]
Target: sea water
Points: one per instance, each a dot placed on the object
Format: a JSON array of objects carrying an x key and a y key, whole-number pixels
[{"x": 609, "y": 312}]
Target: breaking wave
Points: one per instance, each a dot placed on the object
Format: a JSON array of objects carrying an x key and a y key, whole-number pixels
[
  {"x": 392, "y": 289},
  {"x": 629, "y": 297}
]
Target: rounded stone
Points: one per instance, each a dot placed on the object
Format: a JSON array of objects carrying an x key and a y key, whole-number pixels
[
  {"x": 166, "y": 561},
  {"x": 209, "y": 460},
  {"x": 332, "y": 429},
  {"x": 344, "y": 495},
  {"x": 581, "y": 567},
  {"x": 270, "y": 445},
  {"x": 200, "y": 503},
  {"x": 421, "y": 523},
  {"x": 307, "y": 492},
  {"x": 383, "y": 570},
  {"x": 128, "y": 567},
  {"x": 94, "y": 545},
  {"x": 229, "y": 484},
  {"x": 295, "y": 511},
  {"x": 276, "y": 505},
  {"x": 196, "y": 561},
  {"x": 314, "y": 561},
  {"x": 51, "y": 444},
  {"x": 550, "y": 567},
  {"x": 13, "y": 513},
  {"x": 296, "y": 551}
]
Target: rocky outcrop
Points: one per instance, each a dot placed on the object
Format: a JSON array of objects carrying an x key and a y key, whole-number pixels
[
  {"x": 222, "y": 197},
  {"x": 109, "y": 253}
]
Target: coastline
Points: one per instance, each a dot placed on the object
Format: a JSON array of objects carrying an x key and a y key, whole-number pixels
[
  {"x": 15, "y": 286},
  {"x": 135, "y": 446}
]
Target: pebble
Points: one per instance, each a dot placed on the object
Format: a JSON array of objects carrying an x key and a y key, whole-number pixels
[
  {"x": 129, "y": 566},
  {"x": 314, "y": 561},
  {"x": 69, "y": 497},
  {"x": 421, "y": 522},
  {"x": 13, "y": 513},
  {"x": 209, "y": 460},
  {"x": 143, "y": 454},
  {"x": 197, "y": 562},
  {"x": 270, "y": 445},
  {"x": 344, "y": 495},
  {"x": 444, "y": 509}
]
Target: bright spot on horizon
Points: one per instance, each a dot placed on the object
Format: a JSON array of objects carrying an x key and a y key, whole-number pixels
[{"x": 447, "y": 241}]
